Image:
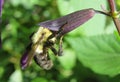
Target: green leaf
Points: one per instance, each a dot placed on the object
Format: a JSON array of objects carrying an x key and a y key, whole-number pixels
[
  {"x": 100, "y": 53},
  {"x": 40, "y": 79},
  {"x": 30, "y": 4},
  {"x": 94, "y": 26},
  {"x": 68, "y": 59},
  {"x": 68, "y": 6},
  {"x": 16, "y": 76},
  {"x": 1, "y": 71}
]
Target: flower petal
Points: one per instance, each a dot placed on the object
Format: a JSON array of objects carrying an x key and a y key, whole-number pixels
[{"x": 1, "y": 3}]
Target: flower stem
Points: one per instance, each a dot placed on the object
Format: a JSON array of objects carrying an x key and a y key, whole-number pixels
[
  {"x": 112, "y": 5},
  {"x": 114, "y": 14}
]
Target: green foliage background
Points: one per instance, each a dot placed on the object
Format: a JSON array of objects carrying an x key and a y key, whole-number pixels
[{"x": 91, "y": 52}]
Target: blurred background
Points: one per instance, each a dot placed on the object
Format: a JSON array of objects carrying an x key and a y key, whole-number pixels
[{"x": 91, "y": 52}]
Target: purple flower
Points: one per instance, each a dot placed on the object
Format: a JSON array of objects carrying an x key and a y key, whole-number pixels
[
  {"x": 1, "y": 3},
  {"x": 69, "y": 22}
]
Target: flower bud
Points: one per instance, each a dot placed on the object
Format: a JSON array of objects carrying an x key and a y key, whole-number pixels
[{"x": 69, "y": 22}]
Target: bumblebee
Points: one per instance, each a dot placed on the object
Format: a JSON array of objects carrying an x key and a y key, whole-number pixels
[{"x": 43, "y": 40}]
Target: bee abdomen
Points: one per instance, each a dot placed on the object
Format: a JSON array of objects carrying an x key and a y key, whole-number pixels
[{"x": 43, "y": 61}]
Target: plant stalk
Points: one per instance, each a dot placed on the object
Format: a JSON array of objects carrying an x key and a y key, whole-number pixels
[{"x": 114, "y": 14}]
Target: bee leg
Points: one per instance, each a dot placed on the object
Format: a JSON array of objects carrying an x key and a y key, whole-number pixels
[
  {"x": 54, "y": 50},
  {"x": 60, "y": 50}
]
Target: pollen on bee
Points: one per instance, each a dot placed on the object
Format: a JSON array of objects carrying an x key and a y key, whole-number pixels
[
  {"x": 39, "y": 49},
  {"x": 36, "y": 36},
  {"x": 41, "y": 35},
  {"x": 53, "y": 39}
]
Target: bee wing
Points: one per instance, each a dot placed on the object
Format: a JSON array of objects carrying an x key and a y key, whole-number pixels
[
  {"x": 28, "y": 56},
  {"x": 26, "y": 59}
]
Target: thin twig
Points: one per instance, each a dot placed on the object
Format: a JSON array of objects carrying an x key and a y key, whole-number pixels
[{"x": 102, "y": 12}]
